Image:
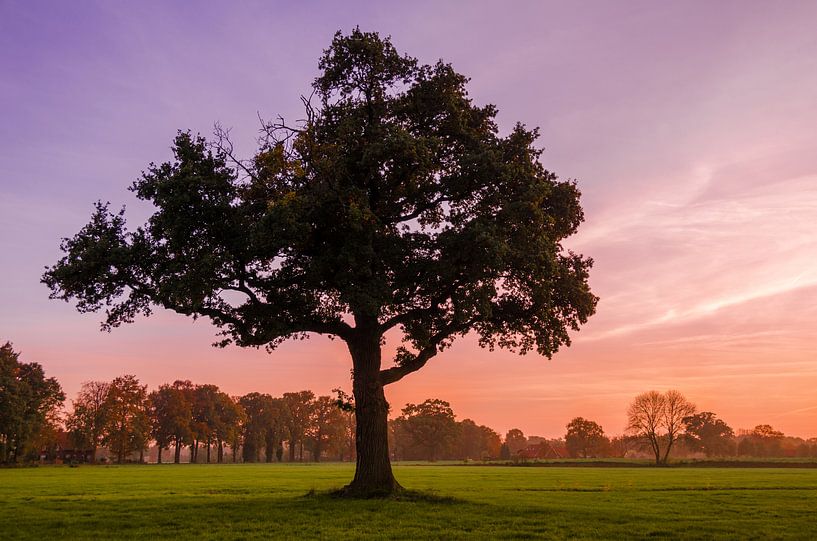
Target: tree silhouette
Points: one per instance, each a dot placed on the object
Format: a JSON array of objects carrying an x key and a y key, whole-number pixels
[
  {"x": 658, "y": 419},
  {"x": 430, "y": 426},
  {"x": 516, "y": 441},
  {"x": 395, "y": 204},
  {"x": 171, "y": 415},
  {"x": 709, "y": 434},
  {"x": 585, "y": 438}
]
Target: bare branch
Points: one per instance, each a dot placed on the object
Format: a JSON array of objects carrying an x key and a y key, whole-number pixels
[{"x": 224, "y": 144}]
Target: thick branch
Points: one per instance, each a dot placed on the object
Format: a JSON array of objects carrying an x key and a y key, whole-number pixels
[
  {"x": 396, "y": 373},
  {"x": 412, "y": 364}
]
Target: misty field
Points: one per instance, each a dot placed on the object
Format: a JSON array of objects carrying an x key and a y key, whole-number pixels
[{"x": 262, "y": 501}]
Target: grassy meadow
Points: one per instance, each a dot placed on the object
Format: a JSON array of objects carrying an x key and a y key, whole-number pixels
[{"x": 493, "y": 502}]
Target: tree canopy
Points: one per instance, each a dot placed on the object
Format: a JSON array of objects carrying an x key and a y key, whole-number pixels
[
  {"x": 585, "y": 438},
  {"x": 28, "y": 402},
  {"x": 395, "y": 204}
]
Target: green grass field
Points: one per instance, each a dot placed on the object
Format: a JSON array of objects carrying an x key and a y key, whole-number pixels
[{"x": 263, "y": 501}]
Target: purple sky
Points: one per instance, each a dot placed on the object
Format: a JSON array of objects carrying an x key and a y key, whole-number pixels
[{"x": 690, "y": 127}]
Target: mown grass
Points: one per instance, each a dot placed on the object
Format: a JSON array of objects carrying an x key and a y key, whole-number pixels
[{"x": 293, "y": 501}]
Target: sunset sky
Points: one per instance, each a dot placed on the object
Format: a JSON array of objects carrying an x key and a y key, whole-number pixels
[{"x": 691, "y": 129}]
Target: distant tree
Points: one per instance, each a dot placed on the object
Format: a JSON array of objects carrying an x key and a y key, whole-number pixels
[
  {"x": 659, "y": 420},
  {"x": 185, "y": 435},
  {"x": 709, "y": 434},
  {"x": 229, "y": 418},
  {"x": 128, "y": 426},
  {"x": 430, "y": 428},
  {"x": 327, "y": 426},
  {"x": 86, "y": 423},
  {"x": 276, "y": 430},
  {"x": 28, "y": 404},
  {"x": 237, "y": 435},
  {"x": 644, "y": 420},
  {"x": 516, "y": 441},
  {"x": 476, "y": 441},
  {"x": 621, "y": 445},
  {"x": 746, "y": 446},
  {"x": 395, "y": 205},
  {"x": 205, "y": 403},
  {"x": 676, "y": 409},
  {"x": 585, "y": 438},
  {"x": 469, "y": 444},
  {"x": 298, "y": 411},
  {"x": 767, "y": 441},
  {"x": 264, "y": 425},
  {"x": 171, "y": 415},
  {"x": 346, "y": 404},
  {"x": 505, "y": 452}
]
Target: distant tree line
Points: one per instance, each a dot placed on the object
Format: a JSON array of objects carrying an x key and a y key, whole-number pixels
[
  {"x": 124, "y": 418},
  {"x": 201, "y": 423}
]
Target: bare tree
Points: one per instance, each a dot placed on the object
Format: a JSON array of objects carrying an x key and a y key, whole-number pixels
[
  {"x": 644, "y": 419},
  {"x": 659, "y": 418},
  {"x": 676, "y": 408}
]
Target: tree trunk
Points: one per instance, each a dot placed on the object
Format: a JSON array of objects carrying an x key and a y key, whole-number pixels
[
  {"x": 208, "y": 451},
  {"x": 159, "y": 458},
  {"x": 220, "y": 458},
  {"x": 373, "y": 474},
  {"x": 670, "y": 441},
  {"x": 93, "y": 454},
  {"x": 291, "y": 450},
  {"x": 178, "y": 454},
  {"x": 656, "y": 449}
]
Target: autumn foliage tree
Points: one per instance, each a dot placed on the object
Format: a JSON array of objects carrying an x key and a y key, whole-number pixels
[
  {"x": 171, "y": 414},
  {"x": 327, "y": 426},
  {"x": 28, "y": 403},
  {"x": 396, "y": 205},
  {"x": 89, "y": 416},
  {"x": 298, "y": 411},
  {"x": 127, "y": 428}
]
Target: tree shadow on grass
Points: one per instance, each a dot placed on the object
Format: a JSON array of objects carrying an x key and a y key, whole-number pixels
[{"x": 422, "y": 496}]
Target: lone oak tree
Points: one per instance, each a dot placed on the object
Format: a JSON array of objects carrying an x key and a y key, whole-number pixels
[{"x": 395, "y": 204}]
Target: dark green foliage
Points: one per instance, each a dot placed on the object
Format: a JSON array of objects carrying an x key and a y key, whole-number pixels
[
  {"x": 709, "y": 434},
  {"x": 28, "y": 404},
  {"x": 396, "y": 204},
  {"x": 171, "y": 415},
  {"x": 427, "y": 430},
  {"x": 396, "y": 200},
  {"x": 264, "y": 426},
  {"x": 585, "y": 438}
]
